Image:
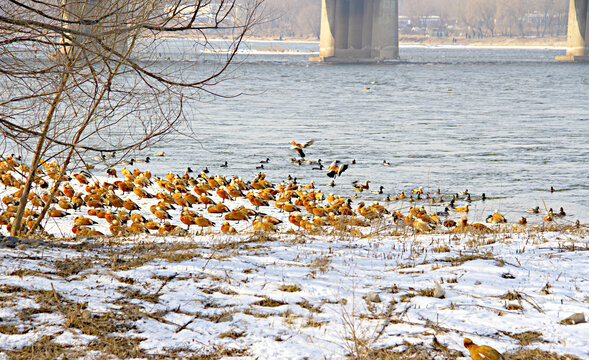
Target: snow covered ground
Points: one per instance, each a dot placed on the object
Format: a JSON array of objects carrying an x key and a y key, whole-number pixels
[
  {"x": 294, "y": 296},
  {"x": 327, "y": 292}
]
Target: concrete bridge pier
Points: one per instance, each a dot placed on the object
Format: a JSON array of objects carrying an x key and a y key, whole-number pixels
[
  {"x": 358, "y": 31},
  {"x": 104, "y": 19},
  {"x": 577, "y": 33}
]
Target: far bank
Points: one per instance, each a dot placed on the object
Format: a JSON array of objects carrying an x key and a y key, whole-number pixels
[{"x": 502, "y": 41}]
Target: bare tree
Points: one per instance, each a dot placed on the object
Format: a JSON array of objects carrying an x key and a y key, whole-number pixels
[
  {"x": 82, "y": 77},
  {"x": 514, "y": 15},
  {"x": 492, "y": 17},
  {"x": 550, "y": 11},
  {"x": 308, "y": 19}
]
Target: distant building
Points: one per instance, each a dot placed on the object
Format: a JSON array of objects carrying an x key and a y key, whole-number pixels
[
  {"x": 205, "y": 13},
  {"x": 430, "y": 21},
  {"x": 404, "y": 21}
]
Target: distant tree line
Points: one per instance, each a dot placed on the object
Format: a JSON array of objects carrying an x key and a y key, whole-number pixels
[
  {"x": 484, "y": 18},
  {"x": 291, "y": 19},
  {"x": 466, "y": 18}
]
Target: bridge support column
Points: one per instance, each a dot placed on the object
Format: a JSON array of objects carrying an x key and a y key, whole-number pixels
[
  {"x": 94, "y": 17},
  {"x": 359, "y": 31},
  {"x": 342, "y": 22},
  {"x": 367, "y": 28},
  {"x": 385, "y": 31},
  {"x": 327, "y": 36},
  {"x": 355, "y": 27},
  {"x": 577, "y": 32}
]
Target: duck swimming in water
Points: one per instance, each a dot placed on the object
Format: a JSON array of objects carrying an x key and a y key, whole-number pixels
[
  {"x": 125, "y": 162},
  {"x": 535, "y": 210},
  {"x": 379, "y": 191}
]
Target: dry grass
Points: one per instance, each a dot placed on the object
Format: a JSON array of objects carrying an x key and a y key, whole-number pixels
[
  {"x": 267, "y": 302},
  {"x": 219, "y": 290},
  {"x": 526, "y": 338},
  {"x": 462, "y": 258},
  {"x": 440, "y": 352},
  {"x": 104, "y": 327},
  {"x": 513, "y": 307},
  {"x": 68, "y": 267},
  {"x": 10, "y": 329},
  {"x": 43, "y": 349},
  {"x": 232, "y": 334},
  {"x": 441, "y": 249},
  {"x": 426, "y": 292},
  {"x": 136, "y": 294},
  {"x": 217, "y": 352},
  {"x": 25, "y": 272},
  {"x": 307, "y": 306},
  {"x": 407, "y": 297},
  {"x": 512, "y": 296},
  {"x": 289, "y": 288},
  {"x": 311, "y": 322},
  {"x": 527, "y": 354},
  {"x": 320, "y": 263},
  {"x": 257, "y": 314},
  {"x": 108, "y": 327},
  {"x": 408, "y": 351}
]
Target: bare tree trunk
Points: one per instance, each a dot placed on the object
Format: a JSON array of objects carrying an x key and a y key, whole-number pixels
[
  {"x": 88, "y": 51},
  {"x": 17, "y": 223},
  {"x": 72, "y": 149}
]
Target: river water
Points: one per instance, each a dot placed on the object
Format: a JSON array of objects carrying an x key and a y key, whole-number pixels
[{"x": 507, "y": 122}]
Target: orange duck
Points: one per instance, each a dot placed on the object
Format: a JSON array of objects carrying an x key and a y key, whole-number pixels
[{"x": 481, "y": 352}]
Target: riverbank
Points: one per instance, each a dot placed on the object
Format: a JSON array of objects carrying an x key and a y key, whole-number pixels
[
  {"x": 295, "y": 296},
  {"x": 425, "y": 40},
  {"x": 498, "y": 41}
]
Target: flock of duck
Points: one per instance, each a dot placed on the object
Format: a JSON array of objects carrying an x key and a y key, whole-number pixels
[{"x": 129, "y": 202}]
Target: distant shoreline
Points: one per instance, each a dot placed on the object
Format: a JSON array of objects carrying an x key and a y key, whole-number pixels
[
  {"x": 501, "y": 41},
  {"x": 425, "y": 41},
  {"x": 498, "y": 41}
]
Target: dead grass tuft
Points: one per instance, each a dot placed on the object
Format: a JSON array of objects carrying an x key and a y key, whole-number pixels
[
  {"x": 312, "y": 322},
  {"x": 136, "y": 294},
  {"x": 407, "y": 297},
  {"x": 527, "y": 354},
  {"x": 461, "y": 259},
  {"x": 218, "y": 317},
  {"x": 216, "y": 353},
  {"x": 9, "y": 329},
  {"x": 426, "y": 292},
  {"x": 289, "y": 288},
  {"x": 513, "y": 307},
  {"x": 267, "y": 302},
  {"x": 441, "y": 249},
  {"x": 408, "y": 351},
  {"x": 120, "y": 347},
  {"x": 24, "y": 272},
  {"x": 512, "y": 296},
  {"x": 219, "y": 290},
  {"x": 43, "y": 349},
  {"x": 320, "y": 263},
  {"x": 307, "y": 306},
  {"x": 257, "y": 314},
  {"x": 68, "y": 267},
  {"x": 232, "y": 334},
  {"x": 101, "y": 325},
  {"x": 526, "y": 338}
]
